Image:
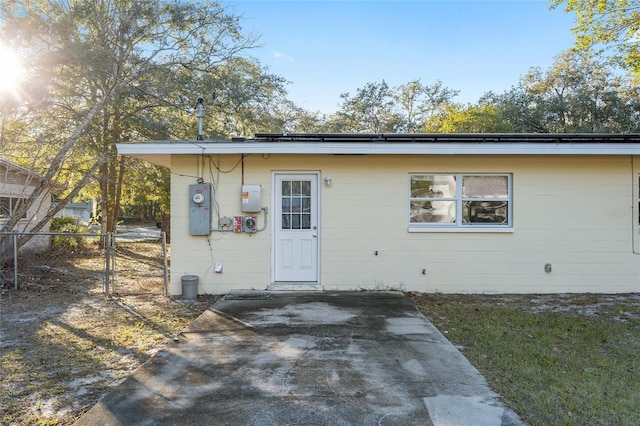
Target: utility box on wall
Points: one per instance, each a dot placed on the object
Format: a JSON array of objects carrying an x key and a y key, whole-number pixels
[
  {"x": 251, "y": 198},
  {"x": 200, "y": 209}
]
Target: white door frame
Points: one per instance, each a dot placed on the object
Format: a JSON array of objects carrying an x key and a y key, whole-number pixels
[{"x": 275, "y": 218}]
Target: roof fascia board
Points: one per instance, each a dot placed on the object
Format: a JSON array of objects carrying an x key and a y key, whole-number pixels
[
  {"x": 28, "y": 174},
  {"x": 351, "y": 148}
]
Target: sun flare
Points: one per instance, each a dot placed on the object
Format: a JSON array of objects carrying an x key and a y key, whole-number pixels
[{"x": 11, "y": 71}]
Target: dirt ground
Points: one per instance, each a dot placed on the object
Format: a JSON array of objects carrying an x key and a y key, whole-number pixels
[{"x": 64, "y": 344}]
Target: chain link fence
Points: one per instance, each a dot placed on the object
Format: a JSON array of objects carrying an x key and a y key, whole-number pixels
[{"x": 119, "y": 264}]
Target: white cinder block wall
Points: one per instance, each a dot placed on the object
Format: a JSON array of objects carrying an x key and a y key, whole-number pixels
[{"x": 577, "y": 213}]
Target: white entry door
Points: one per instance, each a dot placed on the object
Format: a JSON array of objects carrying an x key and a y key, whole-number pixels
[{"x": 296, "y": 236}]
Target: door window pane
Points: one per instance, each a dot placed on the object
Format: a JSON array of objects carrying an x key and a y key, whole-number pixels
[
  {"x": 306, "y": 221},
  {"x": 286, "y": 187},
  {"x": 296, "y": 204},
  {"x": 286, "y": 204},
  {"x": 305, "y": 188},
  {"x": 296, "y": 188}
]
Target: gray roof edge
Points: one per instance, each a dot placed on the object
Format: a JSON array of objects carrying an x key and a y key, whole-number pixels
[
  {"x": 405, "y": 143},
  {"x": 374, "y": 138},
  {"x": 443, "y": 137},
  {"x": 10, "y": 165}
]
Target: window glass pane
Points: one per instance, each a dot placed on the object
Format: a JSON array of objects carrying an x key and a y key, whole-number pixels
[
  {"x": 15, "y": 204},
  {"x": 286, "y": 187},
  {"x": 5, "y": 207},
  {"x": 295, "y": 205},
  {"x": 485, "y": 186},
  {"x": 420, "y": 185},
  {"x": 306, "y": 204},
  {"x": 306, "y": 221},
  {"x": 484, "y": 212},
  {"x": 286, "y": 221},
  {"x": 296, "y": 188},
  {"x": 433, "y": 212},
  {"x": 482, "y": 200},
  {"x": 286, "y": 205},
  {"x": 305, "y": 188},
  {"x": 433, "y": 186}
]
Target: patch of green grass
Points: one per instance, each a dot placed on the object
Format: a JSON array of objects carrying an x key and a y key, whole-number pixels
[{"x": 571, "y": 361}]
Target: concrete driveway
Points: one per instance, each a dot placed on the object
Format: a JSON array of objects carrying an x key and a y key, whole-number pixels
[{"x": 330, "y": 358}]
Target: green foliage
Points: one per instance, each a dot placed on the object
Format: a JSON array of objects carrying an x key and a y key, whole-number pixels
[
  {"x": 370, "y": 110},
  {"x": 377, "y": 108},
  {"x": 146, "y": 190},
  {"x": 577, "y": 94},
  {"x": 484, "y": 118},
  {"x": 64, "y": 224},
  {"x": 607, "y": 27},
  {"x": 423, "y": 104},
  {"x": 105, "y": 73},
  {"x": 247, "y": 98},
  {"x": 67, "y": 225},
  {"x": 568, "y": 360}
]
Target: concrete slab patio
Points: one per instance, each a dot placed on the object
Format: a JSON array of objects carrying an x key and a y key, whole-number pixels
[{"x": 321, "y": 358}]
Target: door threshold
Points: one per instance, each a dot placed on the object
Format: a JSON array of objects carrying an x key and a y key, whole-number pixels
[{"x": 294, "y": 286}]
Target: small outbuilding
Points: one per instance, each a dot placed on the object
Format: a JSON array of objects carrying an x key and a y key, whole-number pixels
[{"x": 472, "y": 213}]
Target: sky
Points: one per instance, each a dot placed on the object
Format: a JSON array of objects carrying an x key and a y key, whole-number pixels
[{"x": 326, "y": 48}]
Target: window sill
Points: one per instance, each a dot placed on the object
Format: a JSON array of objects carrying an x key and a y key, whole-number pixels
[{"x": 456, "y": 229}]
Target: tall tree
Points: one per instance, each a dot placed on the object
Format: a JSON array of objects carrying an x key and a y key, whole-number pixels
[
  {"x": 377, "y": 108},
  {"x": 422, "y": 104},
  {"x": 482, "y": 118},
  {"x": 106, "y": 62},
  {"x": 609, "y": 27},
  {"x": 370, "y": 110},
  {"x": 577, "y": 94},
  {"x": 246, "y": 98}
]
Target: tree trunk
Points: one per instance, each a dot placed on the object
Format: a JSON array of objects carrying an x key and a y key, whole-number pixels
[{"x": 23, "y": 239}]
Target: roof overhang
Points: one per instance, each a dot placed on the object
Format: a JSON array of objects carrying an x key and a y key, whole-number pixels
[
  {"x": 160, "y": 152},
  {"x": 27, "y": 174}
]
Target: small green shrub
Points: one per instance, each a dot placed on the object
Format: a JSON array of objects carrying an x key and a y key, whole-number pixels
[{"x": 67, "y": 225}]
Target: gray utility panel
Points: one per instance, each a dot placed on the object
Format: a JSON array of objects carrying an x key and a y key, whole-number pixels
[{"x": 200, "y": 209}]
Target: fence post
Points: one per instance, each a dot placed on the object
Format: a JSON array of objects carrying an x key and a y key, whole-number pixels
[
  {"x": 164, "y": 264},
  {"x": 15, "y": 261}
]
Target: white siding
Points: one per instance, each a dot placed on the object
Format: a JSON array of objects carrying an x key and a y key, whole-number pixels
[
  {"x": 16, "y": 184},
  {"x": 574, "y": 212}
]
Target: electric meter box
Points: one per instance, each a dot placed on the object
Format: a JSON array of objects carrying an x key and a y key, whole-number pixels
[
  {"x": 200, "y": 209},
  {"x": 251, "y": 198}
]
